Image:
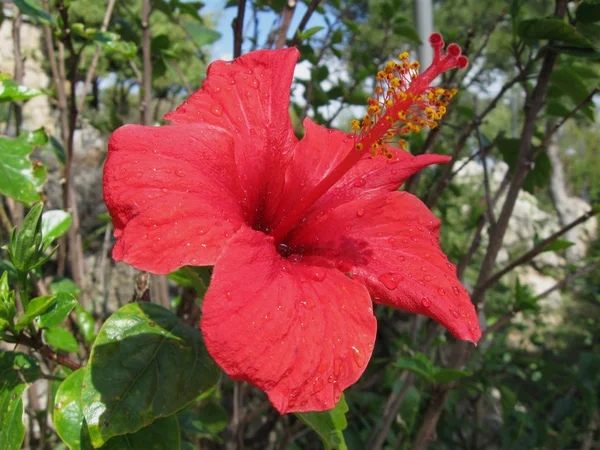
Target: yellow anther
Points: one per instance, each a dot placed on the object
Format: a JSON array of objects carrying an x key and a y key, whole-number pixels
[
  {"x": 389, "y": 156},
  {"x": 378, "y": 90},
  {"x": 402, "y": 144},
  {"x": 389, "y": 102},
  {"x": 430, "y": 113},
  {"x": 390, "y": 67},
  {"x": 390, "y": 119},
  {"x": 442, "y": 110},
  {"x": 395, "y": 82},
  {"x": 433, "y": 125},
  {"x": 380, "y": 75},
  {"x": 402, "y": 115},
  {"x": 401, "y": 96},
  {"x": 355, "y": 124},
  {"x": 403, "y": 56},
  {"x": 415, "y": 65},
  {"x": 375, "y": 146},
  {"x": 374, "y": 109},
  {"x": 358, "y": 147},
  {"x": 441, "y": 91}
]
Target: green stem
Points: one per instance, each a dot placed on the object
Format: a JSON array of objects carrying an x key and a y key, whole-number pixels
[{"x": 22, "y": 284}]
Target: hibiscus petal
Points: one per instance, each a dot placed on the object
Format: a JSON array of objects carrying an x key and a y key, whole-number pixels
[
  {"x": 322, "y": 149},
  {"x": 249, "y": 99},
  {"x": 391, "y": 244},
  {"x": 172, "y": 193},
  {"x": 300, "y": 333}
]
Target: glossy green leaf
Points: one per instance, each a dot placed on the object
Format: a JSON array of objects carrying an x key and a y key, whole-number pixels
[
  {"x": 31, "y": 9},
  {"x": 70, "y": 424},
  {"x": 190, "y": 276},
  {"x": 552, "y": 28},
  {"x": 329, "y": 425},
  {"x": 13, "y": 92},
  {"x": 21, "y": 179},
  {"x": 17, "y": 370},
  {"x": 539, "y": 176},
  {"x": 58, "y": 311},
  {"x": 61, "y": 339},
  {"x": 36, "y": 307},
  {"x": 55, "y": 223},
  {"x": 145, "y": 364},
  {"x": 86, "y": 324},
  {"x": 200, "y": 34},
  {"x": 443, "y": 376},
  {"x": 65, "y": 285},
  {"x": 24, "y": 247},
  {"x": 404, "y": 27},
  {"x": 588, "y": 11}
]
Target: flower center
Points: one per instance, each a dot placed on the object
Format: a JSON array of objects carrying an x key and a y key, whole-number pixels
[{"x": 403, "y": 102}]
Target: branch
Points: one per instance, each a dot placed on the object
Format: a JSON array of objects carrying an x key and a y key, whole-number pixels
[
  {"x": 539, "y": 248},
  {"x": 92, "y": 69},
  {"x": 311, "y": 9},
  {"x": 238, "y": 28},
  {"x": 45, "y": 351},
  {"x": 286, "y": 19},
  {"x": 146, "y": 86}
]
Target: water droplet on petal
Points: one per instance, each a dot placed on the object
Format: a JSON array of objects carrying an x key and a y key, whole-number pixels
[
  {"x": 228, "y": 295},
  {"x": 295, "y": 258},
  {"x": 441, "y": 291},
  {"x": 454, "y": 313},
  {"x": 390, "y": 280},
  {"x": 330, "y": 379},
  {"x": 180, "y": 173},
  {"x": 253, "y": 84},
  {"x": 455, "y": 290},
  {"x": 360, "y": 182},
  {"x": 317, "y": 275},
  {"x": 425, "y": 302},
  {"x": 360, "y": 212},
  {"x": 358, "y": 356},
  {"x": 216, "y": 111}
]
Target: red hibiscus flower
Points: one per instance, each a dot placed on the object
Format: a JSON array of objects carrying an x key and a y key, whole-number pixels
[{"x": 303, "y": 234}]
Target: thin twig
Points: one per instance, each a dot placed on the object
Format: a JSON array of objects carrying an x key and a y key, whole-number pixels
[
  {"x": 92, "y": 69},
  {"x": 539, "y": 248},
  {"x": 45, "y": 351},
  {"x": 286, "y": 19},
  {"x": 238, "y": 29}
]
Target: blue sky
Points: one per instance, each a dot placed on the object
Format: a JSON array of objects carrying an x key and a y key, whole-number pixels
[{"x": 223, "y": 49}]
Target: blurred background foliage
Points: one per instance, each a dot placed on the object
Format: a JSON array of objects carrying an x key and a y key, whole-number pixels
[{"x": 72, "y": 74}]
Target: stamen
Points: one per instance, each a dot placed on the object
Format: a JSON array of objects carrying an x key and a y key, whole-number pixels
[{"x": 403, "y": 102}]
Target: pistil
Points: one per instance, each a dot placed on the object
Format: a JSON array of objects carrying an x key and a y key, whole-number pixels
[{"x": 404, "y": 102}]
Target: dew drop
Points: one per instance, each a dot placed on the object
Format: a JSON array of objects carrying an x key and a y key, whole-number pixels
[
  {"x": 358, "y": 356},
  {"x": 455, "y": 290},
  {"x": 425, "y": 302},
  {"x": 390, "y": 280},
  {"x": 454, "y": 313},
  {"x": 253, "y": 84},
  {"x": 228, "y": 295},
  {"x": 138, "y": 174},
  {"x": 180, "y": 173},
  {"x": 318, "y": 384},
  {"x": 360, "y": 212},
  {"x": 216, "y": 111},
  {"x": 360, "y": 182},
  {"x": 295, "y": 258},
  {"x": 317, "y": 275},
  {"x": 392, "y": 241},
  {"x": 330, "y": 379},
  {"x": 441, "y": 291}
]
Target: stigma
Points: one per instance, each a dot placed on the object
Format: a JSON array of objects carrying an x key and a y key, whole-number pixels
[{"x": 403, "y": 101}]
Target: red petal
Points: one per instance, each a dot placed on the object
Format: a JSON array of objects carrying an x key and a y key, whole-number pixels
[
  {"x": 249, "y": 99},
  {"x": 391, "y": 244},
  {"x": 173, "y": 194},
  {"x": 300, "y": 333},
  {"x": 322, "y": 149}
]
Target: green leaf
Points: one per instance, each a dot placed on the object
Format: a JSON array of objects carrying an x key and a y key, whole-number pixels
[
  {"x": 410, "y": 408},
  {"x": 36, "y": 307},
  {"x": 65, "y": 285},
  {"x": 418, "y": 364},
  {"x": 329, "y": 425},
  {"x": 13, "y": 92},
  {"x": 145, "y": 364},
  {"x": 539, "y": 176},
  {"x": 86, "y": 324},
  {"x": 58, "y": 311},
  {"x": 32, "y": 10},
  {"x": 61, "y": 339},
  {"x": 55, "y": 223},
  {"x": 559, "y": 244},
  {"x": 552, "y": 28},
  {"x": 200, "y": 34},
  {"x": 70, "y": 424},
  {"x": 404, "y": 28},
  {"x": 588, "y": 11},
  {"x": 17, "y": 370},
  {"x": 308, "y": 33},
  {"x": 443, "y": 376},
  {"x": 191, "y": 276},
  {"x": 24, "y": 247},
  {"x": 21, "y": 179}
]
